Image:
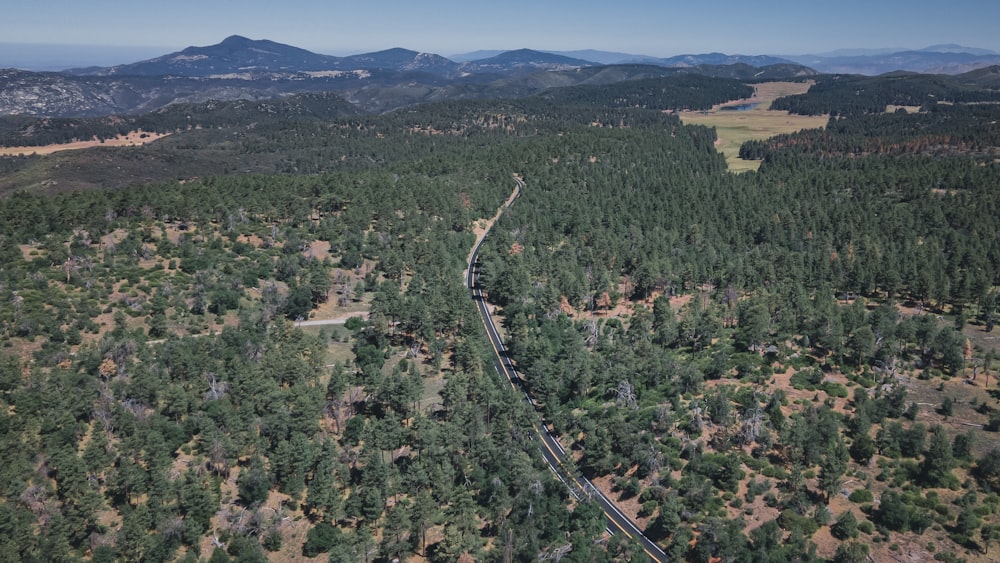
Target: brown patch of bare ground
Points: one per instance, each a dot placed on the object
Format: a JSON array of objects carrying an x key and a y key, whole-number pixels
[
  {"x": 629, "y": 507},
  {"x": 133, "y": 139},
  {"x": 483, "y": 226}
]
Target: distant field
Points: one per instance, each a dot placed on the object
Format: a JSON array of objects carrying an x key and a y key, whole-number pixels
[
  {"x": 758, "y": 121},
  {"x": 907, "y": 109},
  {"x": 133, "y": 139}
]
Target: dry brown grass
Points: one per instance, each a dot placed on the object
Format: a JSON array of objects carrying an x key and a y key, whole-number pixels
[{"x": 132, "y": 139}]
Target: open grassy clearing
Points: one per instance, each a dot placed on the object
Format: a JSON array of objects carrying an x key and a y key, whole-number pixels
[
  {"x": 908, "y": 109},
  {"x": 736, "y": 126},
  {"x": 338, "y": 345}
]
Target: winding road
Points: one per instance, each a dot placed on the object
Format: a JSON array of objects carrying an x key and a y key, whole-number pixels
[{"x": 552, "y": 451}]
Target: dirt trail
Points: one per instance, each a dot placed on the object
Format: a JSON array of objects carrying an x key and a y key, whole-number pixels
[
  {"x": 336, "y": 321},
  {"x": 483, "y": 226}
]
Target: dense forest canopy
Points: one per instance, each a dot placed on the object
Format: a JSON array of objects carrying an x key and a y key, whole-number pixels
[
  {"x": 949, "y": 130},
  {"x": 787, "y": 365},
  {"x": 855, "y": 95}
]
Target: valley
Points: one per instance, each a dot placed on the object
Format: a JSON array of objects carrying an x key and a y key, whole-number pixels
[{"x": 756, "y": 122}]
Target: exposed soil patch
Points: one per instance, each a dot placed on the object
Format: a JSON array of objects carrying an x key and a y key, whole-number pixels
[
  {"x": 320, "y": 250},
  {"x": 483, "y": 226},
  {"x": 133, "y": 139}
]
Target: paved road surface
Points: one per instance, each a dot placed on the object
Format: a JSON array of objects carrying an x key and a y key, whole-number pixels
[{"x": 552, "y": 450}]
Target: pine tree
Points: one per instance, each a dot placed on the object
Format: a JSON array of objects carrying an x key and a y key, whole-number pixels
[
  {"x": 832, "y": 467},
  {"x": 935, "y": 470}
]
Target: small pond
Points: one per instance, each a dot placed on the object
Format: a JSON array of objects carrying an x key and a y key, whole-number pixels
[{"x": 740, "y": 107}]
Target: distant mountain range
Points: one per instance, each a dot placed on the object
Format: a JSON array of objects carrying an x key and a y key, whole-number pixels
[
  {"x": 242, "y": 68},
  {"x": 239, "y": 57},
  {"x": 938, "y": 59}
]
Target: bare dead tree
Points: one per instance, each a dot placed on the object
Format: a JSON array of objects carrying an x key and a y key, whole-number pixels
[
  {"x": 497, "y": 484},
  {"x": 345, "y": 294},
  {"x": 556, "y": 554},
  {"x": 592, "y": 332},
  {"x": 752, "y": 426},
  {"x": 354, "y": 396},
  {"x": 508, "y": 547},
  {"x": 697, "y": 414},
  {"x": 335, "y": 408},
  {"x": 97, "y": 540},
  {"x": 218, "y": 457},
  {"x": 241, "y": 522},
  {"x": 988, "y": 365},
  {"x": 172, "y": 528},
  {"x": 625, "y": 394},
  {"x": 536, "y": 488},
  {"x": 138, "y": 409},
  {"x": 254, "y": 351},
  {"x": 136, "y": 303},
  {"x": 84, "y": 237},
  {"x": 976, "y": 364},
  {"x": 35, "y": 499},
  {"x": 654, "y": 462},
  {"x": 662, "y": 414},
  {"x": 888, "y": 369},
  {"x": 104, "y": 411},
  {"x": 69, "y": 268},
  {"x": 17, "y": 302},
  {"x": 350, "y": 457},
  {"x": 216, "y": 389},
  {"x": 119, "y": 351}
]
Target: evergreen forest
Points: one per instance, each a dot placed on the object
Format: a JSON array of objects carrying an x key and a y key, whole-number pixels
[{"x": 792, "y": 364}]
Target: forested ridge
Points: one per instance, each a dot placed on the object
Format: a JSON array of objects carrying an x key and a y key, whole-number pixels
[
  {"x": 296, "y": 135},
  {"x": 963, "y": 130},
  {"x": 851, "y": 95},
  {"x": 787, "y": 365}
]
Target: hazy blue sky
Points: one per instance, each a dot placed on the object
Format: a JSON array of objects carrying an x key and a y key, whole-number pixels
[{"x": 446, "y": 27}]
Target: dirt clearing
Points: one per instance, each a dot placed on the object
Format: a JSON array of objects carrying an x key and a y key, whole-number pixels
[{"x": 133, "y": 139}]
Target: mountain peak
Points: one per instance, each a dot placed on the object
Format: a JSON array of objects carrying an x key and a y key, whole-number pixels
[
  {"x": 530, "y": 56},
  {"x": 235, "y": 55},
  {"x": 236, "y": 40},
  {"x": 396, "y": 51},
  {"x": 716, "y": 58}
]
